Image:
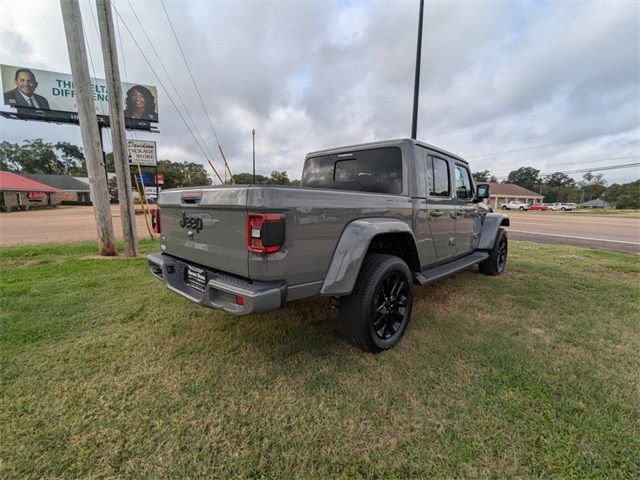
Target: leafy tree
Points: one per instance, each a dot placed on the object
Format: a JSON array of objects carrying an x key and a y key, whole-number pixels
[
  {"x": 593, "y": 186},
  {"x": 558, "y": 179},
  {"x": 9, "y": 157},
  {"x": 247, "y": 178},
  {"x": 626, "y": 195},
  {"x": 183, "y": 174},
  {"x": 484, "y": 176},
  {"x": 33, "y": 156},
  {"x": 526, "y": 177},
  {"x": 278, "y": 178},
  {"x": 72, "y": 158}
]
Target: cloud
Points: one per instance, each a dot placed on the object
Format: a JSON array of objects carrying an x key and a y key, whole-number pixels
[{"x": 496, "y": 77}]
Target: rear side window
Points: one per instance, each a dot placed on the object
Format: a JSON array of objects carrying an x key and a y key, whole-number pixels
[
  {"x": 378, "y": 170},
  {"x": 439, "y": 179}
]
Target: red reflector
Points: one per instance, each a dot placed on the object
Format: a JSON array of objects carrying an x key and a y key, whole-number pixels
[{"x": 239, "y": 300}]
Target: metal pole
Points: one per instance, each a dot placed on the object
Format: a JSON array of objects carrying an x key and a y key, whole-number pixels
[
  {"x": 416, "y": 85},
  {"x": 72, "y": 20},
  {"x": 253, "y": 133},
  {"x": 116, "y": 118}
]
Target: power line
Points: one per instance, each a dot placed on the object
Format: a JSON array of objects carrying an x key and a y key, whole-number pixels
[
  {"x": 195, "y": 84},
  {"x": 195, "y": 125},
  {"x": 598, "y": 169},
  {"x": 535, "y": 147},
  {"x": 166, "y": 91},
  {"x": 624, "y": 157}
]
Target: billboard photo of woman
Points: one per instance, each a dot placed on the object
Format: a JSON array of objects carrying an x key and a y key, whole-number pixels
[{"x": 140, "y": 104}]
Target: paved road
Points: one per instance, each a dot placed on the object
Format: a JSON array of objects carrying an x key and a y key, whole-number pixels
[
  {"x": 58, "y": 225},
  {"x": 596, "y": 231},
  {"x": 74, "y": 224}
]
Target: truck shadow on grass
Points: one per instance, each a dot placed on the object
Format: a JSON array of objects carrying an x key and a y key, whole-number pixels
[{"x": 311, "y": 327}]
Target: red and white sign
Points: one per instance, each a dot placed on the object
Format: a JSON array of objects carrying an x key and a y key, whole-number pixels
[
  {"x": 36, "y": 195},
  {"x": 160, "y": 179}
]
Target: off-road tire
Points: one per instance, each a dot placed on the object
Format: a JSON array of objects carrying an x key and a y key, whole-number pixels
[
  {"x": 357, "y": 314},
  {"x": 497, "y": 261}
]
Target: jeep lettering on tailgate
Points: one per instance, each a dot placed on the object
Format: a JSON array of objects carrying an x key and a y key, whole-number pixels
[{"x": 191, "y": 222}]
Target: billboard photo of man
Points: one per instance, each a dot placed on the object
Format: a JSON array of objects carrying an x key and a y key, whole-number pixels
[{"x": 24, "y": 94}]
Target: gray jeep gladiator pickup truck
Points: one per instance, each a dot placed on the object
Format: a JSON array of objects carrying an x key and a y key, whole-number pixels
[{"x": 368, "y": 222}]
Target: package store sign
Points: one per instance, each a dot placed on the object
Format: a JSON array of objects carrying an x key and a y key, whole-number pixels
[{"x": 142, "y": 152}]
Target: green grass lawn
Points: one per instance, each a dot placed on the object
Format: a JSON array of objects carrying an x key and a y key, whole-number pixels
[{"x": 105, "y": 373}]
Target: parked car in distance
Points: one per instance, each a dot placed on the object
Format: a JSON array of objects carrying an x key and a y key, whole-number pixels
[
  {"x": 565, "y": 207},
  {"x": 515, "y": 205},
  {"x": 540, "y": 207}
]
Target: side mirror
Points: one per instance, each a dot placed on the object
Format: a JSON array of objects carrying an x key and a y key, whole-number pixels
[{"x": 482, "y": 191}]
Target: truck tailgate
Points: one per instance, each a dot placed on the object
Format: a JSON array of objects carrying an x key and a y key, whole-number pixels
[{"x": 206, "y": 226}]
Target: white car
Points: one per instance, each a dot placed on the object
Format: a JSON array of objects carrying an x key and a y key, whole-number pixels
[
  {"x": 515, "y": 205},
  {"x": 565, "y": 207}
]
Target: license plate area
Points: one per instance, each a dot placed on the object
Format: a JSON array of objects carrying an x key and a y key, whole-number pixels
[{"x": 195, "y": 277}]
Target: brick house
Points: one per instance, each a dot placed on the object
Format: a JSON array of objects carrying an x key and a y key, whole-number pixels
[
  {"x": 21, "y": 193},
  {"x": 506, "y": 192},
  {"x": 70, "y": 189}
]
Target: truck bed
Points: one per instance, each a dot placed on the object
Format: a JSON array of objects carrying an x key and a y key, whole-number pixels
[{"x": 314, "y": 220}]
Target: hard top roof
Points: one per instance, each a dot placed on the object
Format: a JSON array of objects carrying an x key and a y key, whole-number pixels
[{"x": 382, "y": 144}]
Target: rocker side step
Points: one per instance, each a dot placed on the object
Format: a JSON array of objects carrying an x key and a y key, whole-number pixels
[{"x": 436, "y": 273}]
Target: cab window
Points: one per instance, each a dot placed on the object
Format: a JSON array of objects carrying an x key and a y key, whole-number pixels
[
  {"x": 464, "y": 189},
  {"x": 438, "y": 177}
]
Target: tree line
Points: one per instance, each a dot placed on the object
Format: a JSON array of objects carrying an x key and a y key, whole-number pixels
[
  {"x": 64, "y": 158},
  {"x": 560, "y": 187}
]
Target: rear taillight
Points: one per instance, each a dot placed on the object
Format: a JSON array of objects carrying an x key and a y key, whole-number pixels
[
  {"x": 265, "y": 232},
  {"x": 155, "y": 220}
]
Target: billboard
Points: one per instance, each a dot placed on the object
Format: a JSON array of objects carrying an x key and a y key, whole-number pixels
[
  {"x": 44, "y": 90},
  {"x": 142, "y": 152}
]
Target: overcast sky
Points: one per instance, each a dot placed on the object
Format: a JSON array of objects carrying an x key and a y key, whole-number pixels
[{"x": 554, "y": 85}]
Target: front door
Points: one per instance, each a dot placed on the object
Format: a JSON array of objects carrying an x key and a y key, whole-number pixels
[{"x": 466, "y": 211}]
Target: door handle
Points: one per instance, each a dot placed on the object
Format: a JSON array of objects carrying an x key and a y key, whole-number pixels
[{"x": 436, "y": 213}]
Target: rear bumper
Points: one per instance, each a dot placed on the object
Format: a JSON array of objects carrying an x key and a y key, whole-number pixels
[{"x": 221, "y": 288}]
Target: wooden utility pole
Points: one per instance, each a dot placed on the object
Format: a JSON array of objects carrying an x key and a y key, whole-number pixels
[
  {"x": 118, "y": 132},
  {"x": 88, "y": 125}
]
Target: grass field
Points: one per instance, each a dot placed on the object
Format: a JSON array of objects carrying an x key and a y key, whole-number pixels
[{"x": 105, "y": 373}]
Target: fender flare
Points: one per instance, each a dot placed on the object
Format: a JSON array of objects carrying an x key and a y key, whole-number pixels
[
  {"x": 352, "y": 247},
  {"x": 490, "y": 225}
]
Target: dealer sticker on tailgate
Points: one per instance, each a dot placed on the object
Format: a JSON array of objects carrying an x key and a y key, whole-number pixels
[{"x": 195, "y": 277}]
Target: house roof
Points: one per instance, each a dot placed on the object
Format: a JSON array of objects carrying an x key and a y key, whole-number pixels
[
  {"x": 511, "y": 190},
  {"x": 61, "y": 182},
  {"x": 14, "y": 182},
  {"x": 596, "y": 202}
]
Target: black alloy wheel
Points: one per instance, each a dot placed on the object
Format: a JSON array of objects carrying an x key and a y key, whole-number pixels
[
  {"x": 390, "y": 310},
  {"x": 496, "y": 263},
  {"x": 501, "y": 259},
  {"x": 376, "y": 314}
]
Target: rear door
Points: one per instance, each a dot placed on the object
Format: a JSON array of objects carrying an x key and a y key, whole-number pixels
[
  {"x": 441, "y": 209},
  {"x": 206, "y": 227},
  {"x": 465, "y": 208}
]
